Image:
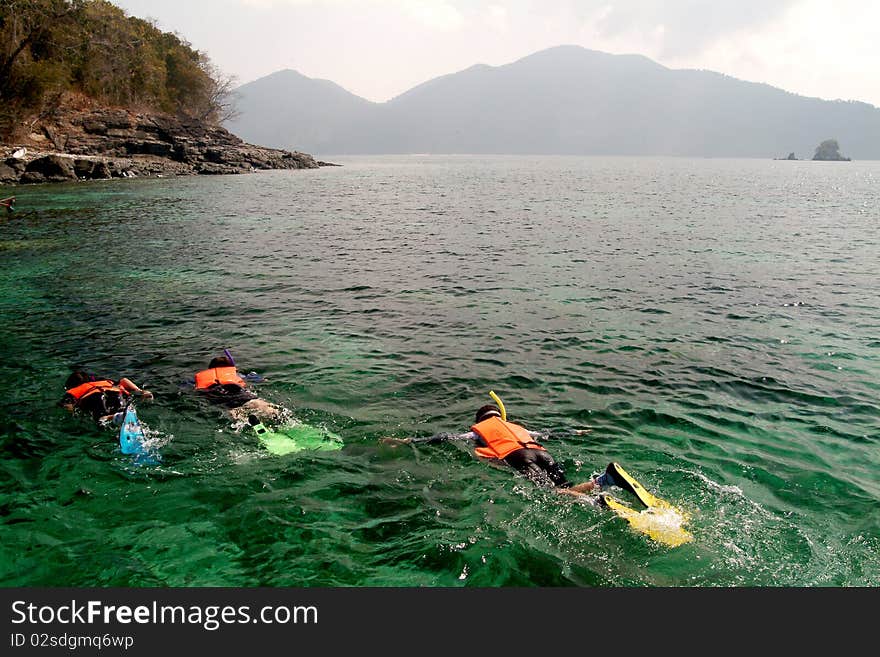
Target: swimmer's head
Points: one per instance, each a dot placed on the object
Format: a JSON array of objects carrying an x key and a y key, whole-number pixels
[
  {"x": 78, "y": 378},
  {"x": 487, "y": 411},
  {"x": 220, "y": 361}
]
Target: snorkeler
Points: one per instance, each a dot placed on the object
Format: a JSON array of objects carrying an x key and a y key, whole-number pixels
[
  {"x": 498, "y": 440},
  {"x": 100, "y": 398},
  {"x": 221, "y": 384}
]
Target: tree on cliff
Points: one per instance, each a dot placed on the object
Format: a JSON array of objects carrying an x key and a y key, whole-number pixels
[
  {"x": 92, "y": 47},
  {"x": 29, "y": 72},
  {"x": 829, "y": 150}
]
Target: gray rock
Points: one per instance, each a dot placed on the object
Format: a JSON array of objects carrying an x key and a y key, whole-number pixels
[
  {"x": 159, "y": 148},
  {"x": 83, "y": 168},
  {"x": 8, "y": 174},
  {"x": 30, "y": 177},
  {"x": 16, "y": 164},
  {"x": 118, "y": 143},
  {"x": 53, "y": 168},
  {"x": 94, "y": 127},
  {"x": 101, "y": 171},
  {"x": 116, "y": 118},
  {"x": 58, "y": 140},
  {"x": 211, "y": 169},
  {"x": 91, "y": 169}
]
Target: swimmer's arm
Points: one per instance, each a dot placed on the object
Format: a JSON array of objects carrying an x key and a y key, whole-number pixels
[
  {"x": 430, "y": 440},
  {"x": 130, "y": 386},
  {"x": 547, "y": 434},
  {"x": 443, "y": 437}
]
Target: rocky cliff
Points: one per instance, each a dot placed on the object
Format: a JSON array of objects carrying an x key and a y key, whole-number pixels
[{"x": 95, "y": 142}]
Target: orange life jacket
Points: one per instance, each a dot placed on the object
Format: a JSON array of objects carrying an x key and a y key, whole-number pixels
[
  {"x": 502, "y": 438},
  {"x": 222, "y": 375},
  {"x": 83, "y": 390}
]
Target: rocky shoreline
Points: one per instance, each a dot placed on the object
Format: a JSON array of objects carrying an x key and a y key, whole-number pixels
[{"x": 101, "y": 143}]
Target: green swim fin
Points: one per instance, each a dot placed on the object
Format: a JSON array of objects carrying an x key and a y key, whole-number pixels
[
  {"x": 295, "y": 438},
  {"x": 259, "y": 428}
]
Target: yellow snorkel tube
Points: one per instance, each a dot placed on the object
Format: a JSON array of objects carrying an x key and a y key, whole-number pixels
[{"x": 498, "y": 401}]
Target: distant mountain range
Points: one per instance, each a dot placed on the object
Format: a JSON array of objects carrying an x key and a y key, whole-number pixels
[{"x": 564, "y": 100}]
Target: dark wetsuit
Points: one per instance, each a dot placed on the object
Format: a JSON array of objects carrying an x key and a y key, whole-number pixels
[
  {"x": 536, "y": 464},
  {"x": 99, "y": 404},
  {"x": 539, "y": 466},
  {"x": 229, "y": 395}
]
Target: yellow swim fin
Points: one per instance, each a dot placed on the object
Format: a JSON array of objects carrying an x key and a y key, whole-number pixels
[
  {"x": 661, "y": 525},
  {"x": 623, "y": 479},
  {"x": 661, "y": 521}
]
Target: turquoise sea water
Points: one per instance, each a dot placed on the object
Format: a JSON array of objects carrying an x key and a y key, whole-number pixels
[{"x": 716, "y": 323}]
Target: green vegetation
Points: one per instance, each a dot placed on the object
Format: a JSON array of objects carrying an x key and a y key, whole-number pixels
[
  {"x": 49, "y": 47},
  {"x": 829, "y": 150}
]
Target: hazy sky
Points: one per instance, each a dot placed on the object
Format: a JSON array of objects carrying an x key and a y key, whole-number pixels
[{"x": 378, "y": 49}]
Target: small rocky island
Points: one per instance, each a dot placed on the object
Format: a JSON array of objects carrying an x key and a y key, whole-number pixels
[
  {"x": 93, "y": 142},
  {"x": 829, "y": 151}
]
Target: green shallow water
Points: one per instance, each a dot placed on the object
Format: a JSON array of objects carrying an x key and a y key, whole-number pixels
[{"x": 715, "y": 322}]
